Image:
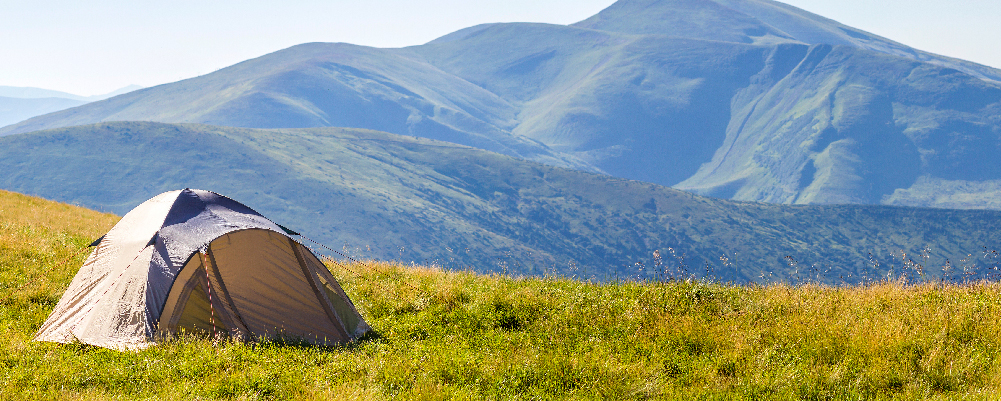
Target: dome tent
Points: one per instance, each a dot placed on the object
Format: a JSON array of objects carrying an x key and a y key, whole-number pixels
[{"x": 195, "y": 260}]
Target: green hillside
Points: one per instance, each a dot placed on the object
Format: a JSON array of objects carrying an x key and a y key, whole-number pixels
[
  {"x": 448, "y": 335},
  {"x": 379, "y": 195}
]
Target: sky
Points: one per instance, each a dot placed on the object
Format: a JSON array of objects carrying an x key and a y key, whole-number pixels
[{"x": 94, "y": 47}]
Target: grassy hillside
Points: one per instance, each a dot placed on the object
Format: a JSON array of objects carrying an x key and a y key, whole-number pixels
[
  {"x": 390, "y": 197},
  {"x": 447, "y": 335}
]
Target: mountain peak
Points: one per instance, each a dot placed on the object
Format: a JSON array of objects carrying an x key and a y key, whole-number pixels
[
  {"x": 116, "y": 92},
  {"x": 697, "y": 19},
  {"x": 756, "y": 21}
]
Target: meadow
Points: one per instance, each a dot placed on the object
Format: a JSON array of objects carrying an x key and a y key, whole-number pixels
[{"x": 460, "y": 335}]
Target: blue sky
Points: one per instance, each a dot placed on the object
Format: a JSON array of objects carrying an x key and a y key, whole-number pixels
[{"x": 97, "y": 46}]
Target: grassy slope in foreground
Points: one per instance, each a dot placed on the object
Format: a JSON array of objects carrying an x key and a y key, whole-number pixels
[{"x": 461, "y": 335}]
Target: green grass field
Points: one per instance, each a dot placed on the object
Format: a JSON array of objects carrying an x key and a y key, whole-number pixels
[{"x": 443, "y": 335}]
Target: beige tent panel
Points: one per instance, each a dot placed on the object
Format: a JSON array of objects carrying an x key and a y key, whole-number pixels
[
  {"x": 196, "y": 314},
  {"x": 247, "y": 271},
  {"x": 260, "y": 265},
  {"x": 187, "y": 308}
]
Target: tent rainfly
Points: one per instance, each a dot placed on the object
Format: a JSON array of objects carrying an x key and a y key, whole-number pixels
[{"x": 197, "y": 261}]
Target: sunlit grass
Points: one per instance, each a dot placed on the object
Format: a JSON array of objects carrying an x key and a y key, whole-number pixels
[{"x": 441, "y": 334}]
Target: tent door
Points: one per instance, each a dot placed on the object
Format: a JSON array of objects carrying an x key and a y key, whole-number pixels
[{"x": 188, "y": 308}]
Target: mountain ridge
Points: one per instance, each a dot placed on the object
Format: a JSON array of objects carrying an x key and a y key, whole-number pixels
[
  {"x": 13, "y": 110},
  {"x": 380, "y": 195},
  {"x": 25, "y": 92},
  {"x": 21, "y": 103}
]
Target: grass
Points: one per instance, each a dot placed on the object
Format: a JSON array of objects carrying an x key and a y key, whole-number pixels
[{"x": 443, "y": 334}]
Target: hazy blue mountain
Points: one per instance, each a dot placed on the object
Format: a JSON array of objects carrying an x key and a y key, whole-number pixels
[
  {"x": 120, "y": 91},
  {"x": 317, "y": 85},
  {"x": 381, "y": 195},
  {"x": 756, "y": 21},
  {"x": 13, "y": 110},
  {"x": 743, "y": 99},
  {"x": 696, "y": 19},
  {"x": 21, "y": 103},
  {"x": 784, "y": 123},
  {"x": 38, "y": 93},
  {"x": 857, "y": 127}
]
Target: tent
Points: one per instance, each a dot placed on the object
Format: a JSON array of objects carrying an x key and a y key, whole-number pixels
[{"x": 194, "y": 261}]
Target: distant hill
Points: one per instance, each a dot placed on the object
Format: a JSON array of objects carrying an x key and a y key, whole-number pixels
[
  {"x": 324, "y": 85},
  {"x": 120, "y": 91},
  {"x": 787, "y": 122},
  {"x": 13, "y": 110},
  {"x": 21, "y": 103},
  {"x": 763, "y": 22},
  {"x": 38, "y": 93},
  {"x": 742, "y": 99},
  {"x": 380, "y": 195}
]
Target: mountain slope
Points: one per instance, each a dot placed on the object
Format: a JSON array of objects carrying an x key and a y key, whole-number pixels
[
  {"x": 13, "y": 110},
  {"x": 851, "y": 127},
  {"x": 21, "y": 103},
  {"x": 695, "y": 19},
  {"x": 756, "y": 21},
  {"x": 21, "y": 92},
  {"x": 317, "y": 85},
  {"x": 743, "y": 99},
  {"x": 788, "y": 123},
  {"x": 650, "y": 108},
  {"x": 393, "y": 197},
  {"x": 37, "y": 93}
]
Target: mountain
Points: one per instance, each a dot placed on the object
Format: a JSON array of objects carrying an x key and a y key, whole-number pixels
[
  {"x": 37, "y": 93},
  {"x": 742, "y": 99},
  {"x": 21, "y": 103},
  {"x": 756, "y": 21},
  {"x": 380, "y": 195},
  {"x": 13, "y": 110},
  {"x": 748, "y": 114},
  {"x": 120, "y": 91},
  {"x": 324, "y": 85}
]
